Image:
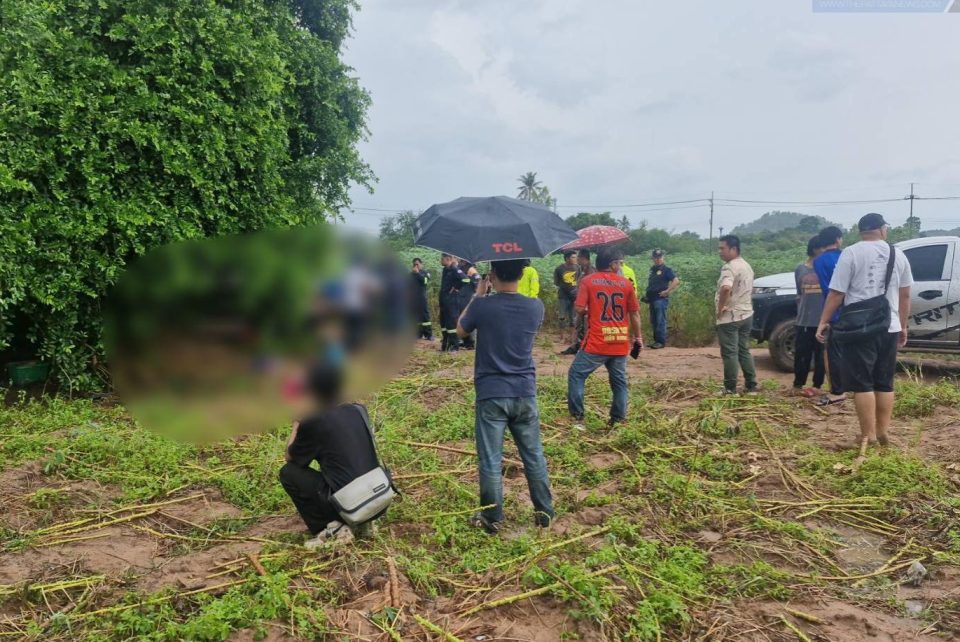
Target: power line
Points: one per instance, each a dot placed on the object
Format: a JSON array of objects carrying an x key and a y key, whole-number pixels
[
  {"x": 693, "y": 200},
  {"x": 857, "y": 202},
  {"x": 693, "y": 203}
]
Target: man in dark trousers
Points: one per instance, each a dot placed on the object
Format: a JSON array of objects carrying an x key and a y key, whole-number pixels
[
  {"x": 831, "y": 240},
  {"x": 660, "y": 285},
  {"x": 336, "y": 437},
  {"x": 421, "y": 309},
  {"x": 468, "y": 288},
  {"x": 584, "y": 268},
  {"x": 505, "y": 380},
  {"x": 450, "y": 283},
  {"x": 809, "y": 306},
  {"x": 565, "y": 278}
]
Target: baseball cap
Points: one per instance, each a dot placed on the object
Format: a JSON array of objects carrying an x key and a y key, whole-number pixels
[
  {"x": 871, "y": 222},
  {"x": 657, "y": 253}
]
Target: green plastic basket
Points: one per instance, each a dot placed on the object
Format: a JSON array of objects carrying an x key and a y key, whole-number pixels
[{"x": 23, "y": 373}]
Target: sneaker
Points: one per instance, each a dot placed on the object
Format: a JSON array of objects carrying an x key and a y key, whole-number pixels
[
  {"x": 542, "y": 519},
  {"x": 578, "y": 424},
  {"x": 752, "y": 390},
  {"x": 726, "y": 392},
  {"x": 613, "y": 423},
  {"x": 335, "y": 533},
  {"x": 568, "y": 351},
  {"x": 479, "y": 521},
  {"x": 656, "y": 346}
]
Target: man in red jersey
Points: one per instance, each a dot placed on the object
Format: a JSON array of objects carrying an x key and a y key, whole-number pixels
[{"x": 609, "y": 303}]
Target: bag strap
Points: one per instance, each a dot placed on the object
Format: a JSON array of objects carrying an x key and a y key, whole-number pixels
[
  {"x": 366, "y": 424},
  {"x": 373, "y": 443},
  {"x": 890, "y": 262}
]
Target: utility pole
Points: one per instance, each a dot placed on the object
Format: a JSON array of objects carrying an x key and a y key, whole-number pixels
[
  {"x": 911, "y": 200},
  {"x": 711, "y": 217},
  {"x": 721, "y": 230}
]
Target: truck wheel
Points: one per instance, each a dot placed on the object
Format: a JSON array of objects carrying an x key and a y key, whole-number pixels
[{"x": 781, "y": 344}]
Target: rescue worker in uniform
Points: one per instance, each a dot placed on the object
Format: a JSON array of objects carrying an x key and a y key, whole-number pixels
[
  {"x": 450, "y": 283},
  {"x": 470, "y": 280},
  {"x": 529, "y": 284},
  {"x": 419, "y": 305}
]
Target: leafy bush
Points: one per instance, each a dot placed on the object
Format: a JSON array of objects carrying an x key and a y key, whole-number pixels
[{"x": 127, "y": 124}]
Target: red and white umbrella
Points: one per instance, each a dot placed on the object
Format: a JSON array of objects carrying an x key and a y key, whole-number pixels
[{"x": 596, "y": 235}]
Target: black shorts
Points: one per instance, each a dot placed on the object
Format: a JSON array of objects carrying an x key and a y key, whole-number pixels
[{"x": 870, "y": 365}]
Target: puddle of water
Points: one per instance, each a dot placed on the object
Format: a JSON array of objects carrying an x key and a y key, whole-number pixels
[
  {"x": 858, "y": 550},
  {"x": 914, "y": 607}
]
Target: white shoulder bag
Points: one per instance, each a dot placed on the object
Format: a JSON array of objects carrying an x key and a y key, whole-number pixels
[{"x": 370, "y": 495}]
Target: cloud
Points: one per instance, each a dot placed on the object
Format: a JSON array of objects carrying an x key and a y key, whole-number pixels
[
  {"x": 621, "y": 102},
  {"x": 815, "y": 68}
]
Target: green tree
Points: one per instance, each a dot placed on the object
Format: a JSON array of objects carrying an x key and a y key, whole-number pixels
[
  {"x": 624, "y": 223},
  {"x": 581, "y": 220},
  {"x": 127, "y": 124},
  {"x": 529, "y": 188},
  {"x": 397, "y": 230}
]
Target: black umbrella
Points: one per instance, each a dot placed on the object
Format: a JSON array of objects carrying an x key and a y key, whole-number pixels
[{"x": 492, "y": 228}]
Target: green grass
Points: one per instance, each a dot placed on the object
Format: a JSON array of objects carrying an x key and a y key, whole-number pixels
[
  {"x": 918, "y": 398},
  {"x": 666, "y": 476}
]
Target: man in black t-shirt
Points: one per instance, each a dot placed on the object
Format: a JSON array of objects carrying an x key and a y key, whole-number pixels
[
  {"x": 336, "y": 436},
  {"x": 661, "y": 283}
]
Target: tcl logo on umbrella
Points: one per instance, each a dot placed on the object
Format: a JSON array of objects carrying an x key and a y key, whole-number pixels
[{"x": 507, "y": 248}]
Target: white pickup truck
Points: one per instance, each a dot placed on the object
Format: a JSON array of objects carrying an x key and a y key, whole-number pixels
[{"x": 934, "y": 312}]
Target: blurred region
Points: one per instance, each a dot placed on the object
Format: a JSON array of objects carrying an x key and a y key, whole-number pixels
[{"x": 213, "y": 338}]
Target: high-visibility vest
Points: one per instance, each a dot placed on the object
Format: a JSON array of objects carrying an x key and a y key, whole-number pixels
[{"x": 529, "y": 284}]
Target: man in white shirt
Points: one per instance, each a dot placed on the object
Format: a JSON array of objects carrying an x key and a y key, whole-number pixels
[{"x": 869, "y": 365}]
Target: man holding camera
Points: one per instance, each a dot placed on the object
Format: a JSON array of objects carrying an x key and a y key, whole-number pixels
[{"x": 505, "y": 379}]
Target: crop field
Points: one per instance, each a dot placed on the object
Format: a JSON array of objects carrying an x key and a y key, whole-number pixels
[
  {"x": 691, "y": 321},
  {"x": 701, "y": 519}
]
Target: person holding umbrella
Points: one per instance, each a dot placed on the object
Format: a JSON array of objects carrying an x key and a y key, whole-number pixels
[
  {"x": 505, "y": 380},
  {"x": 609, "y": 302}
]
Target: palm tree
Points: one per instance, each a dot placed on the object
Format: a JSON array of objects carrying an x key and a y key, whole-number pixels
[{"x": 529, "y": 187}]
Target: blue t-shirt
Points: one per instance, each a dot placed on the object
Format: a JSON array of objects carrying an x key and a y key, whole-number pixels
[
  {"x": 506, "y": 326},
  {"x": 824, "y": 266}
]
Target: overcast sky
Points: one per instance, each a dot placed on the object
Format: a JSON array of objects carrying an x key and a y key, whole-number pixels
[{"x": 616, "y": 102}]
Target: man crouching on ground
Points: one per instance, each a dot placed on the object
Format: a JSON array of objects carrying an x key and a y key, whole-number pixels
[
  {"x": 336, "y": 436},
  {"x": 505, "y": 380}
]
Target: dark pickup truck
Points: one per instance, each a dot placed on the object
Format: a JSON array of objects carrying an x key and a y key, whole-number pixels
[{"x": 935, "y": 307}]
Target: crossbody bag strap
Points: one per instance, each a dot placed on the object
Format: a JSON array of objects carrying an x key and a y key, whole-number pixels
[
  {"x": 369, "y": 426},
  {"x": 366, "y": 424},
  {"x": 890, "y": 262}
]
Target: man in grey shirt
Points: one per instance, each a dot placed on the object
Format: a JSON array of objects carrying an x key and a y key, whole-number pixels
[{"x": 809, "y": 307}]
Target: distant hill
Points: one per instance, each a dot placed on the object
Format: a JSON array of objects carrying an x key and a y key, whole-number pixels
[
  {"x": 780, "y": 221},
  {"x": 954, "y": 232}
]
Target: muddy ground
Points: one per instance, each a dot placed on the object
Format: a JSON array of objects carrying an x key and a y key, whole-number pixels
[{"x": 142, "y": 548}]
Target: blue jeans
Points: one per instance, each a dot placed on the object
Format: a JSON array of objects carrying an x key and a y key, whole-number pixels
[
  {"x": 581, "y": 368},
  {"x": 522, "y": 417},
  {"x": 658, "y": 319}
]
